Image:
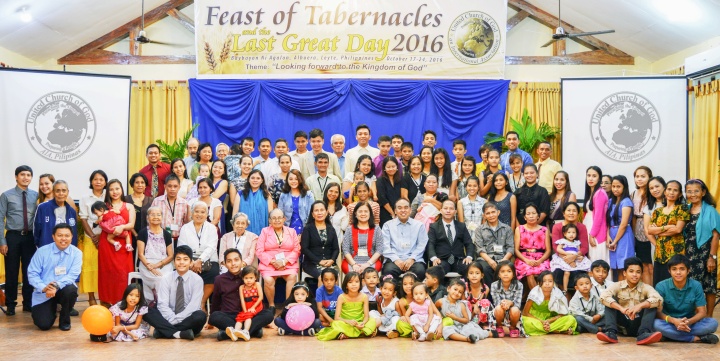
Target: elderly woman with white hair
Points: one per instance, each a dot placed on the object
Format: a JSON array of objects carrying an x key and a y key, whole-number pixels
[
  {"x": 241, "y": 239},
  {"x": 155, "y": 252},
  {"x": 202, "y": 238},
  {"x": 278, "y": 251}
]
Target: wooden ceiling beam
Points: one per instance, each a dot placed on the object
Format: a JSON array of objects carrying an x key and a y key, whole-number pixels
[
  {"x": 551, "y": 21},
  {"x": 121, "y": 32},
  {"x": 516, "y": 19},
  {"x": 183, "y": 19},
  {"x": 100, "y": 57},
  {"x": 593, "y": 57},
  {"x": 559, "y": 48}
]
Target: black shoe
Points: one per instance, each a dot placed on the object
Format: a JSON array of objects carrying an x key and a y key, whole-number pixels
[
  {"x": 10, "y": 311},
  {"x": 74, "y": 312},
  {"x": 65, "y": 327},
  {"x": 27, "y": 309},
  {"x": 259, "y": 333},
  {"x": 187, "y": 335},
  {"x": 222, "y": 336},
  {"x": 709, "y": 338},
  {"x": 156, "y": 334},
  {"x": 472, "y": 338},
  {"x": 647, "y": 338},
  {"x": 609, "y": 337}
]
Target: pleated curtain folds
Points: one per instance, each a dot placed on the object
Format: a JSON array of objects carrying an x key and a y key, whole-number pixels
[{"x": 542, "y": 101}]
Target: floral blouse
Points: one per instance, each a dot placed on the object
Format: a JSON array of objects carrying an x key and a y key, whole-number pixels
[{"x": 668, "y": 246}]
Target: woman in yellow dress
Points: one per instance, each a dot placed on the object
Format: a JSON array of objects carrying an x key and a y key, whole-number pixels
[
  {"x": 352, "y": 317},
  {"x": 90, "y": 236}
]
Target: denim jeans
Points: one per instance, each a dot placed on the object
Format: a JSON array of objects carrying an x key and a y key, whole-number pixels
[
  {"x": 703, "y": 327},
  {"x": 585, "y": 326}
]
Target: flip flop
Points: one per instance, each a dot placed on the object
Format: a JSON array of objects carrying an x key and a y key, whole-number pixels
[{"x": 500, "y": 332}]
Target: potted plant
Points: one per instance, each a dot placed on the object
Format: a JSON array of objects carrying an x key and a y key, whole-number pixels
[
  {"x": 177, "y": 148},
  {"x": 529, "y": 134}
]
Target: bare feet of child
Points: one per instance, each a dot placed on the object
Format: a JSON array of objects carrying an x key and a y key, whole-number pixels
[
  {"x": 392, "y": 334},
  {"x": 342, "y": 337},
  {"x": 570, "y": 331}
]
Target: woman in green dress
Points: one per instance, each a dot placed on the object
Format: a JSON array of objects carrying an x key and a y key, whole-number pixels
[
  {"x": 352, "y": 318},
  {"x": 546, "y": 309}
]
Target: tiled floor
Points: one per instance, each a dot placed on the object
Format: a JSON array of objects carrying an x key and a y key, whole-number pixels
[{"x": 20, "y": 340}]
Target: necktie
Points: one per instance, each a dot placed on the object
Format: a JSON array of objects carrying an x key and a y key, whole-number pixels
[
  {"x": 180, "y": 296},
  {"x": 539, "y": 167},
  {"x": 155, "y": 183},
  {"x": 451, "y": 259},
  {"x": 26, "y": 227}
]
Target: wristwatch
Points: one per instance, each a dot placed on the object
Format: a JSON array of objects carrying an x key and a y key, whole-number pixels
[{"x": 714, "y": 256}]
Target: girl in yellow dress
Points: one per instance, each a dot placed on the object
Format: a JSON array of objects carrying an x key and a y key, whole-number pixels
[{"x": 352, "y": 313}]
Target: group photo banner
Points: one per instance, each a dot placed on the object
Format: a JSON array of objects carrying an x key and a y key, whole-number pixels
[{"x": 353, "y": 38}]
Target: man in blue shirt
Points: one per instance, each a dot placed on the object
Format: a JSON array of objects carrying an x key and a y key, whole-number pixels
[
  {"x": 683, "y": 316},
  {"x": 52, "y": 272},
  {"x": 17, "y": 210},
  {"x": 512, "y": 141},
  {"x": 179, "y": 295},
  {"x": 404, "y": 242}
]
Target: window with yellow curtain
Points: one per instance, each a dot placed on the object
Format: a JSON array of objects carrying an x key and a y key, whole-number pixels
[
  {"x": 704, "y": 132},
  {"x": 542, "y": 101},
  {"x": 158, "y": 110}
]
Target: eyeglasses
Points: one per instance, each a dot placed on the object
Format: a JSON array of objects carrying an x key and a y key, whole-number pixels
[
  {"x": 277, "y": 218},
  {"x": 693, "y": 192}
]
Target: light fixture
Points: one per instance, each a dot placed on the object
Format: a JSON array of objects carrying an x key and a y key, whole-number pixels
[
  {"x": 25, "y": 15},
  {"x": 675, "y": 12}
]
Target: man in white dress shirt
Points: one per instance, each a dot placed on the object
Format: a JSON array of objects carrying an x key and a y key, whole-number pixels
[{"x": 362, "y": 135}]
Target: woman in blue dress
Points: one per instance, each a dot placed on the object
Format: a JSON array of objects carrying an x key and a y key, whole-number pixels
[
  {"x": 621, "y": 241},
  {"x": 255, "y": 201}
]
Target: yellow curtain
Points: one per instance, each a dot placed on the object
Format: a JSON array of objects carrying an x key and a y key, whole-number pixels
[
  {"x": 542, "y": 101},
  {"x": 704, "y": 132},
  {"x": 158, "y": 110}
]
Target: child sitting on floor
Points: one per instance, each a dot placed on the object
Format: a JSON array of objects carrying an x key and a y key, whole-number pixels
[
  {"x": 434, "y": 277},
  {"x": 327, "y": 295},
  {"x": 352, "y": 317},
  {"x": 586, "y": 307},
  {"x": 455, "y": 308},
  {"x": 422, "y": 314},
  {"x": 128, "y": 314},
  {"x": 546, "y": 309},
  {"x": 386, "y": 316},
  {"x": 507, "y": 293},
  {"x": 298, "y": 296}
]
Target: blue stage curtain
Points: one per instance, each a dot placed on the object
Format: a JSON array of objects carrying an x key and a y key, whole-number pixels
[{"x": 229, "y": 110}]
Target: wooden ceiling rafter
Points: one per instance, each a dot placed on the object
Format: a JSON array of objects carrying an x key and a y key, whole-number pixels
[
  {"x": 602, "y": 53},
  {"x": 94, "y": 53}
]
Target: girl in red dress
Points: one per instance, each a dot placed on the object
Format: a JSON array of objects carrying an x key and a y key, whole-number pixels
[{"x": 251, "y": 297}]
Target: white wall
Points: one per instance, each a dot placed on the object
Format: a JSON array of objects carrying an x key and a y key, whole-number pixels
[{"x": 16, "y": 60}]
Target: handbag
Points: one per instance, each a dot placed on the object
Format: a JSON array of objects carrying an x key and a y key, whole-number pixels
[{"x": 205, "y": 265}]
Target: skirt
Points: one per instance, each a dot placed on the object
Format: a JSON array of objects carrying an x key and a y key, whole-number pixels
[
  {"x": 150, "y": 280},
  {"x": 89, "y": 272},
  {"x": 208, "y": 277}
]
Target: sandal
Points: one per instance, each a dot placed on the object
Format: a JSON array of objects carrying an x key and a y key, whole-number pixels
[
  {"x": 342, "y": 336},
  {"x": 500, "y": 332},
  {"x": 514, "y": 333}
]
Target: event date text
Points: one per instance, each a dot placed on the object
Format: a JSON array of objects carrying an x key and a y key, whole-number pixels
[{"x": 354, "y": 43}]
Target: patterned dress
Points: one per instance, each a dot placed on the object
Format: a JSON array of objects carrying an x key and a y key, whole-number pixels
[
  {"x": 669, "y": 246},
  {"x": 129, "y": 319},
  {"x": 532, "y": 246},
  {"x": 698, "y": 257},
  {"x": 251, "y": 296}
]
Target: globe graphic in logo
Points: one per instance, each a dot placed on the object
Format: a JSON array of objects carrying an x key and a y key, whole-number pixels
[
  {"x": 474, "y": 37},
  {"x": 625, "y": 126},
  {"x": 60, "y": 126}
]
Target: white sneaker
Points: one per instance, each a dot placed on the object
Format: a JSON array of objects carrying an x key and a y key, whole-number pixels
[
  {"x": 242, "y": 334},
  {"x": 247, "y": 335},
  {"x": 231, "y": 333},
  {"x": 281, "y": 331},
  {"x": 423, "y": 337}
]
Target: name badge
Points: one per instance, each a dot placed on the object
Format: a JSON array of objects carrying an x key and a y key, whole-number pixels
[
  {"x": 280, "y": 256},
  {"x": 497, "y": 248},
  {"x": 60, "y": 271},
  {"x": 362, "y": 252},
  {"x": 174, "y": 227}
]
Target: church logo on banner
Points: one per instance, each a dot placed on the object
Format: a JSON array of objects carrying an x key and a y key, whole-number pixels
[
  {"x": 625, "y": 126},
  {"x": 474, "y": 37},
  {"x": 60, "y": 126}
]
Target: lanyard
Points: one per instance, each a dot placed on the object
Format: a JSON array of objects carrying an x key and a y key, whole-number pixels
[
  {"x": 172, "y": 209},
  {"x": 417, "y": 184},
  {"x": 279, "y": 237},
  {"x": 199, "y": 235},
  {"x": 322, "y": 186},
  {"x": 583, "y": 304},
  {"x": 238, "y": 240}
]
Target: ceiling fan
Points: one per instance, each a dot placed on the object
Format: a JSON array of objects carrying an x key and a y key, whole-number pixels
[
  {"x": 561, "y": 34},
  {"x": 142, "y": 35}
]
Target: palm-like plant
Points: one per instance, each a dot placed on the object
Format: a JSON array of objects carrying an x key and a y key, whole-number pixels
[
  {"x": 529, "y": 134},
  {"x": 177, "y": 148}
]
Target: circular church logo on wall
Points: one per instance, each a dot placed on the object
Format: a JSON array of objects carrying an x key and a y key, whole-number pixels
[
  {"x": 474, "y": 37},
  {"x": 60, "y": 126},
  {"x": 625, "y": 126}
]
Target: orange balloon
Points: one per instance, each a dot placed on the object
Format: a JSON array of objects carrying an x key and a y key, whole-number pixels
[{"x": 97, "y": 320}]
